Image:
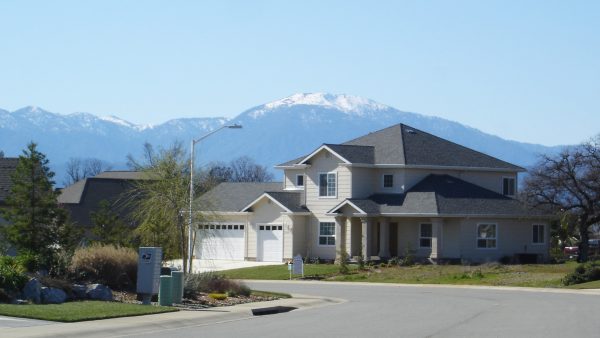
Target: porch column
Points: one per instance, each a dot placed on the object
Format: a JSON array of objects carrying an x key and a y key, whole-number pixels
[
  {"x": 348, "y": 240},
  {"x": 436, "y": 239},
  {"x": 339, "y": 240},
  {"x": 384, "y": 237},
  {"x": 365, "y": 238}
]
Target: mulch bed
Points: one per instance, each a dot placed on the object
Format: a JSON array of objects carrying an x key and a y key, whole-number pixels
[{"x": 202, "y": 301}]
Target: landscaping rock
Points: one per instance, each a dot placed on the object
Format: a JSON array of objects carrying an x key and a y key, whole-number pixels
[
  {"x": 32, "y": 290},
  {"x": 53, "y": 296},
  {"x": 79, "y": 291},
  {"x": 99, "y": 292}
]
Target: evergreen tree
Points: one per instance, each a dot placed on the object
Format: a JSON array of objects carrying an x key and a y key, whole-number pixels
[
  {"x": 36, "y": 222},
  {"x": 108, "y": 226}
]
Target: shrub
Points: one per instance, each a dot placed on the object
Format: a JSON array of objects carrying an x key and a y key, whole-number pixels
[
  {"x": 394, "y": 261},
  {"x": 218, "y": 296},
  {"x": 583, "y": 273},
  {"x": 210, "y": 282},
  {"x": 12, "y": 274},
  {"x": 344, "y": 270},
  {"x": 110, "y": 265},
  {"x": 29, "y": 261}
]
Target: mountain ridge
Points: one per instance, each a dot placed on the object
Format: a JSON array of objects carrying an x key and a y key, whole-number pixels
[{"x": 272, "y": 133}]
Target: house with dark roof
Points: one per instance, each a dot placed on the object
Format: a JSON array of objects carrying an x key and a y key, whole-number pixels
[
  {"x": 84, "y": 197},
  {"x": 8, "y": 165},
  {"x": 392, "y": 192}
]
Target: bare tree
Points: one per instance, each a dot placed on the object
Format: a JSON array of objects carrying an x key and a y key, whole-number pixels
[
  {"x": 78, "y": 169},
  {"x": 570, "y": 183},
  {"x": 244, "y": 169}
]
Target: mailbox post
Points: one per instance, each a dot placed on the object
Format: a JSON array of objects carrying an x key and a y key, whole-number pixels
[{"x": 148, "y": 277}]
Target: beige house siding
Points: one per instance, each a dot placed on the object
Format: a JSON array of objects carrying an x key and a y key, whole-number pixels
[
  {"x": 451, "y": 238},
  {"x": 298, "y": 236},
  {"x": 362, "y": 182},
  {"x": 289, "y": 178},
  {"x": 489, "y": 180},
  {"x": 265, "y": 212}
]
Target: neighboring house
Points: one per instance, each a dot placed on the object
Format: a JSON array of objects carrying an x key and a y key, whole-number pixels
[
  {"x": 83, "y": 197},
  {"x": 395, "y": 191}
]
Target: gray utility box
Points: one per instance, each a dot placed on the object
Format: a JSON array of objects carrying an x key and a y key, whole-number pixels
[{"x": 148, "y": 276}]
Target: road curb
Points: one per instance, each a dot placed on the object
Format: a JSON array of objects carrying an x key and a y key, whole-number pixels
[
  {"x": 125, "y": 326},
  {"x": 595, "y": 292}
]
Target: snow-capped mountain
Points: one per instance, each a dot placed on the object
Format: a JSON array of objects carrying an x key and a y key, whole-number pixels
[{"x": 272, "y": 133}]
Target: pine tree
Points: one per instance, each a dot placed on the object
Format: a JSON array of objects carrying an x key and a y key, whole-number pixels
[{"x": 36, "y": 222}]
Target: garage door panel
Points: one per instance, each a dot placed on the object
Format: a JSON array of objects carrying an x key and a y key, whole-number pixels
[
  {"x": 224, "y": 243},
  {"x": 270, "y": 243}
]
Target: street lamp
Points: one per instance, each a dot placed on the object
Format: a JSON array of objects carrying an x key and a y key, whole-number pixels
[{"x": 230, "y": 126}]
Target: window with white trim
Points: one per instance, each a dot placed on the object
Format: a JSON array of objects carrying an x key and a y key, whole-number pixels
[
  {"x": 487, "y": 236},
  {"x": 538, "y": 234},
  {"x": 327, "y": 184},
  {"x": 299, "y": 180},
  {"x": 388, "y": 181},
  {"x": 425, "y": 235},
  {"x": 326, "y": 233},
  {"x": 508, "y": 186}
]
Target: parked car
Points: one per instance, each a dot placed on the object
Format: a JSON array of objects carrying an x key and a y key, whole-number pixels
[{"x": 571, "y": 251}]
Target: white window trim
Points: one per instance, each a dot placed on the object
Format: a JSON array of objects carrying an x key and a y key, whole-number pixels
[
  {"x": 477, "y": 236},
  {"x": 538, "y": 243},
  {"x": 514, "y": 186},
  {"x": 383, "y": 181},
  {"x": 319, "y": 184},
  {"x": 319, "y": 234},
  {"x": 420, "y": 237},
  {"x": 303, "y": 181}
]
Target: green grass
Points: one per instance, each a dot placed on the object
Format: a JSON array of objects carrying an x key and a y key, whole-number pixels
[
  {"x": 80, "y": 311},
  {"x": 260, "y": 293},
  {"x": 280, "y": 272},
  {"x": 589, "y": 285},
  {"x": 533, "y": 275}
]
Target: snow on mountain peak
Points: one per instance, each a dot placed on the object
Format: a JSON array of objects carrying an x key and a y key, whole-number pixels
[{"x": 349, "y": 104}]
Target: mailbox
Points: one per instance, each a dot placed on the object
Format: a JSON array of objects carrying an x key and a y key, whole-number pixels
[{"x": 148, "y": 276}]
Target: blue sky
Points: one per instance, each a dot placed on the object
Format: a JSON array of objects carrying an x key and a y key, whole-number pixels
[{"x": 523, "y": 70}]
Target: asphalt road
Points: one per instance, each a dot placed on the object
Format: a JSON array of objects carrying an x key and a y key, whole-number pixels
[{"x": 405, "y": 311}]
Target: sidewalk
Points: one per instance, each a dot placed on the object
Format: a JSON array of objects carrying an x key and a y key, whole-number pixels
[
  {"x": 205, "y": 265},
  {"x": 119, "y": 327}
]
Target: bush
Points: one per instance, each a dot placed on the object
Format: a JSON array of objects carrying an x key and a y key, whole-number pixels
[
  {"x": 110, "y": 265},
  {"x": 210, "y": 282},
  {"x": 29, "y": 261},
  {"x": 12, "y": 274},
  {"x": 218, "y": 296},
  {"x": 583, "y": 273}
]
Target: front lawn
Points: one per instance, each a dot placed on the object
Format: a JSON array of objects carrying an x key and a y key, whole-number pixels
[
  {"x": 80, "y": 311},
  {"x": 534, "y": 275}
]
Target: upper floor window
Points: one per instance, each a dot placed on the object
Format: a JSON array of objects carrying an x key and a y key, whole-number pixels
[
  {"x": 425, "y": 235},
  {"x": 299, "y": 180},
  {"x": 508, "y": 186},
  {"x": 487, "y": 236},
  {"x": 388, "y": 181},
  {"x": 538, "y": 234},
  {"x": 327, "y": 184}
]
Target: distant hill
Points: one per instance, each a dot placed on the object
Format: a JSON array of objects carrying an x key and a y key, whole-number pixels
[{"x": 272, "y": 133}]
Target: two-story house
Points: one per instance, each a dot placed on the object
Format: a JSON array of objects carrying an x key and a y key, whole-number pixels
[{"x": 393, "y": 191}]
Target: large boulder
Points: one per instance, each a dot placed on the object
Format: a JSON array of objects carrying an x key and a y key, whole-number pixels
[
  {"x": 79, "y": 291},
  {"x": 53, "y": 295},
  {"x": 99, "y": 292},
  {"x": 32, "y": 290}
]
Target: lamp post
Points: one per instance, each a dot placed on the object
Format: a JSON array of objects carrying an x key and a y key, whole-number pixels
[{"x": 230, "y": 126}]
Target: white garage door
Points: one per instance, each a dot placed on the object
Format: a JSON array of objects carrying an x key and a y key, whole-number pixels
[
  {"x": 270, "y": 243},
  {"x": 220, "y": 241}
]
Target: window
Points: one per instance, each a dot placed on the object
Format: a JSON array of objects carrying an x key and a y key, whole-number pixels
[
  {"x": 425, "y": 234},
  {"x": 299, "y": 180},
  {"x": 388, "y": 181},
  {"x": 486, "y": 236},
  {"x": 327, "y": 185},
  {"x": 538, "y": 234},
  {"x": 508, "y": 186},
  {"x": 327, "y": 233}
]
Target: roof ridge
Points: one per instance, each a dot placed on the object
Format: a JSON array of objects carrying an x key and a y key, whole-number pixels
[{"x": 373, "y": 132}]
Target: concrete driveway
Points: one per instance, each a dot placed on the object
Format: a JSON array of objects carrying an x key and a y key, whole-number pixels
[{"x": 219, "y": 265}]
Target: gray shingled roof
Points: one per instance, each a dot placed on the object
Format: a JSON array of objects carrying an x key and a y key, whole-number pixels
[
  {"x": 402, "y": 144},
  {"x": 293, "y": 200},
  {"x": 123, "y": 175},
  {"x": 7, "y": 168},
  {"x": 230, "y": 196},
  {"x": 445, "y": 195},
  {"x": 73, "y": 193}
]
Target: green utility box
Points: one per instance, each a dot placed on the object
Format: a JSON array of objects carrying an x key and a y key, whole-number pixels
[
  {"x": 165, "y": 294},
  {"x": 177, "y": 286}
]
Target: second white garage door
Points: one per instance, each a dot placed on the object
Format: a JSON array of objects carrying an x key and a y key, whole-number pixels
[
  {"x": 222, "y": 241},
  {"x": 270, "y": 243}
]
